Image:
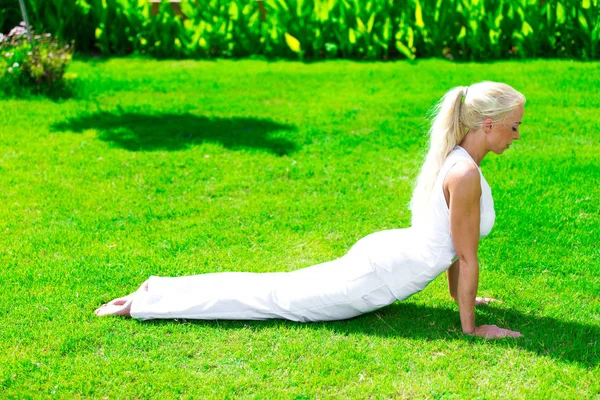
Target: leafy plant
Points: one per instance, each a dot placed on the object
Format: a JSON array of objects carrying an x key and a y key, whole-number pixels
[
  {"x": 315, "y": 29},
  {"x": 40, "y": 65}
]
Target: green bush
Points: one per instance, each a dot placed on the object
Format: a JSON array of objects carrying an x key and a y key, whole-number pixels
[
  {"x": 39, "y": 66},
  {"x": 315, "y": 29}
]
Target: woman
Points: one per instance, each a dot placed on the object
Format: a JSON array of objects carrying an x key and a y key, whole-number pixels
[{"x": 452, "y": 208}]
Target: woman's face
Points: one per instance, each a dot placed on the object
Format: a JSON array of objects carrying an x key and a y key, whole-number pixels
[{"x": 502, "y": 133}]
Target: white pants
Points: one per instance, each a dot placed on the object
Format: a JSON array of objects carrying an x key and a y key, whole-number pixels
[{"x": 339, "y": 289}]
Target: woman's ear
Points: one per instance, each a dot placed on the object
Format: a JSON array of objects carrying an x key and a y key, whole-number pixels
[{"x": 487, "y": 125}]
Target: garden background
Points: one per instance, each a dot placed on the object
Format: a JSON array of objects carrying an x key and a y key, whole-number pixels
[{"x": 229, "y": 136}]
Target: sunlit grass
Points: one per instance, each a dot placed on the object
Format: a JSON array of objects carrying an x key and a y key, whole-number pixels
[{"x": 172, "y": 168}]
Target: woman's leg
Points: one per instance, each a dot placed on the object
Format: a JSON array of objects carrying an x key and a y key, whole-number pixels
[{"x": 340, "y": 289}]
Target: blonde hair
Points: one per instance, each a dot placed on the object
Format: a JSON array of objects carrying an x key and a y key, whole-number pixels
[{"x": 461, "y": 109}]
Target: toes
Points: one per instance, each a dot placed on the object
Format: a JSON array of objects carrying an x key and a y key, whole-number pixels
[
  {"x": 110, "y": 309},
  {"x": 120, "y": 306},
  {"x": 102, "y": 311}
]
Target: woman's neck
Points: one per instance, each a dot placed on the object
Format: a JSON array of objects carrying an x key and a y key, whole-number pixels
[{"x": 473, "y": 144}]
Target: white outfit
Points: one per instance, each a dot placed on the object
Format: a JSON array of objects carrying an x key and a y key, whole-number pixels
[{"x": 378, "y": 269}]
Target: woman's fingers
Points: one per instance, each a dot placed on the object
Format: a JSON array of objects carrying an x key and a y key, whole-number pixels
[
  {"x": 485, "y": 300},
  {"x": 494, "y": 332},
  {"x": 502, "y": 333},
  {"x": 514, "y": 334}
]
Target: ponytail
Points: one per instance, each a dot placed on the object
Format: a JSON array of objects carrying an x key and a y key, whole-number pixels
[{"x": 446, "y": 132}]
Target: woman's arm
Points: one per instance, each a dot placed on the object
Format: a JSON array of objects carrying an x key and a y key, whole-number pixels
[
  {"x": 463, "y": 185},
  {"x": 452, "y": 274},
  {"x": 464, "y": 191}
]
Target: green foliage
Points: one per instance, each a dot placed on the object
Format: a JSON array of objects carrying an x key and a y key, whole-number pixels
[
  {"x": 39, "y": 65},
  {"x": 72, "y": 20},
  {"x": 314, "y": 29}
]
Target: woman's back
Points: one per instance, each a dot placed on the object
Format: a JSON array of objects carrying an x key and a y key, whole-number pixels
[{"x": 408, "y": 259}]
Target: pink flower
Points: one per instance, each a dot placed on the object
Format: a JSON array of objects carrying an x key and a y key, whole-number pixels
[{"x": 17, "y": 31}]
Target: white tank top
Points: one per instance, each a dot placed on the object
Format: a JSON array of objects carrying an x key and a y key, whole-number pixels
[
  {"x": 435, "y": 227},
  {"x": 486, "y": 202}
]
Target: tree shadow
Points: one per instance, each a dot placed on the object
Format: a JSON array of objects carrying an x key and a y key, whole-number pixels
[
  {"x": 549, "y": 337},
  {"x": 151, "y": 132}
]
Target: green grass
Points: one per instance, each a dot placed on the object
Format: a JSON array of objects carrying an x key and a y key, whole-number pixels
[{"x": 172, "y": 168}]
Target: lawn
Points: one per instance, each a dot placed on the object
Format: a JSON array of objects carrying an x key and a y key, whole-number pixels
[{"x": 183, "y": 167}]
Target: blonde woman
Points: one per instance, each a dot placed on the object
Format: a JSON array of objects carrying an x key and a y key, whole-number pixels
[{"x": 452, "y": 209}]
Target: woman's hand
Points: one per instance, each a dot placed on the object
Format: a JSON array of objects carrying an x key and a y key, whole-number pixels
[
  {"x": 485, "y": 301},
  {"x": 493, "y": 332}
]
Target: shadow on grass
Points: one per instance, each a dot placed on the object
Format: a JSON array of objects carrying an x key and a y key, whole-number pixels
[
  {"x": 562, "y": 340},
  {"x": 149, "y": 132},
  {"x": 57, "y": 93}
]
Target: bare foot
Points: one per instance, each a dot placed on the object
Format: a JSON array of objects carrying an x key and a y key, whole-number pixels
[{"x": 120, "y": 306}]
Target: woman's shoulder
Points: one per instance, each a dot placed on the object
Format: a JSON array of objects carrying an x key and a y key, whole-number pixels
[
  {"x": 463, "y": 171},
  {"x": 463, "y": 177}
]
